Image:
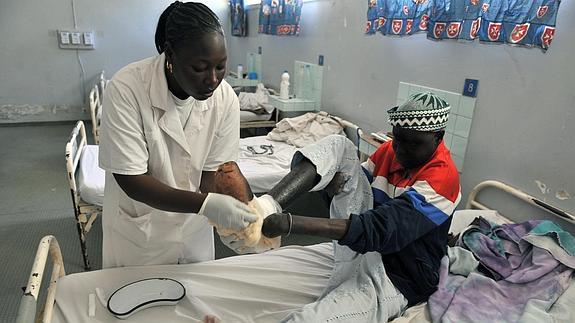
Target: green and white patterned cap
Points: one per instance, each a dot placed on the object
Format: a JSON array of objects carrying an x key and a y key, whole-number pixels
[{"x": 421, "y": 112}]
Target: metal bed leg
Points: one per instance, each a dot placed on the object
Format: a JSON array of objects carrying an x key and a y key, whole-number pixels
[{"x": 82, "y": 237}]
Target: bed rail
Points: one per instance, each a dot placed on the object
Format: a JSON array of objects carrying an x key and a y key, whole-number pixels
[
  {"x": 352, "y": 131},
  {"x": 473, "y": 203},
  {"x": 84, "y": 213},
  {"x": 28, "y": 303},
  {"x": 95, "y": 112}
]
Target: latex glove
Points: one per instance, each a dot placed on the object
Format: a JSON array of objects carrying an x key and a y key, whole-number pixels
[{"x": 227, "y": 212}]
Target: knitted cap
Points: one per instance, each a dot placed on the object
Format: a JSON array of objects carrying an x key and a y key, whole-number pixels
[{"x": 421, "y": 112}]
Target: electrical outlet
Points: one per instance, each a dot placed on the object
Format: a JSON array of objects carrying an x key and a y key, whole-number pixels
[
  {"x": 64, "y": 37},
  {"x": 89, "y": 38},
  {"x": 75, "y": 38}
]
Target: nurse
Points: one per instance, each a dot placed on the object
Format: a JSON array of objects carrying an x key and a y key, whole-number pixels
[{"x": 168, "y": 122}]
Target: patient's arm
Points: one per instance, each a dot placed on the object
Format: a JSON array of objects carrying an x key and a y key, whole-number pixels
[{"x": 278, "y": 224}]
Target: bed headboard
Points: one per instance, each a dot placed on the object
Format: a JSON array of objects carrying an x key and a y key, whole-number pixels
[{"x": 473, "y": 203}]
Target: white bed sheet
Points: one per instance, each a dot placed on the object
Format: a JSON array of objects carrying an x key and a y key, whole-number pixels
[
  {"x": 91, "y": 178},
  {"x": 264, "y": 171},
  {"x": 246, "y": 116},
  {"x": 251, "y": 288}
]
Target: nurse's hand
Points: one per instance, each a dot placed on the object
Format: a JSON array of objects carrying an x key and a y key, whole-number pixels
[{"x": 227, "y": 212}]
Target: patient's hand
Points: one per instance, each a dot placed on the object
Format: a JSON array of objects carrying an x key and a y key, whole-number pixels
[{"x": 275, "y": 225}]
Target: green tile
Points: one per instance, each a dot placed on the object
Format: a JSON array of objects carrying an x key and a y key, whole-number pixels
[
  {"x": 462, "y": 127},
  {"x": 466, "y": 106},
  {"x": 402, "y": 92},
  {"x": 458, "y": 146}
]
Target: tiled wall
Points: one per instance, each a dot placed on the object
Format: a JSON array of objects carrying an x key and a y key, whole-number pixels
[
  {"x": 315, "y": 84},
  {"x": 254, "y": 59},
  {"x": 460, "y": 118}
]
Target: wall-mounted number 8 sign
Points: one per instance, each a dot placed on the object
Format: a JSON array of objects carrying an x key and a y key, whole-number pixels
[{"x": 470, "y": 87}]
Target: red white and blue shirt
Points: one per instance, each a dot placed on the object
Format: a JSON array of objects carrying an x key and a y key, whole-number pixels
[{"x": 410, "y": 219}]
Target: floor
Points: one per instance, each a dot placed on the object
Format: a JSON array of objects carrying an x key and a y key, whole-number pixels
[{"x": 35, "y": 201}]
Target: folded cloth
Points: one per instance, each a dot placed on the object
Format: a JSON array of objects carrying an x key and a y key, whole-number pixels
[
  {"x": 305, "y": 129},
  {"x": 256, "y": 102}
]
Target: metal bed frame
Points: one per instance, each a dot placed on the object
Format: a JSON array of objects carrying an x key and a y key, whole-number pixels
[
  {"x": 49, "y": 247},
  {"x": 274, "y": 118},
  {"x": 85, "y": 213},
  {"x": 95, "y": 100}
]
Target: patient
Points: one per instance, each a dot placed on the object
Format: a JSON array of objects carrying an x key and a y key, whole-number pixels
[{"x": 390, "y": 215}]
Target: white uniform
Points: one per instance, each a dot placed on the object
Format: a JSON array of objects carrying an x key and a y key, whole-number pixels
[{"x": 142, "y": 133}]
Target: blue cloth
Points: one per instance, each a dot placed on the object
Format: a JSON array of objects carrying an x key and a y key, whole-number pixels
[
  {"x": 280, "y": 17},
  {"x": 239, "y": 18},
  {"x": 519, "y": 22}
]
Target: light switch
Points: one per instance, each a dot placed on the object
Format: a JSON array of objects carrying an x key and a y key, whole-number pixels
[
  {"x": 64, "y": 37},
  {"x": 75, "y": 38},
  {"x": 88, "y": 38}
]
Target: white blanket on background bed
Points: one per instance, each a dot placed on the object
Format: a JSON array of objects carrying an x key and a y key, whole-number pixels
[
  {"x": 91, "y": 177},
  {"x": 256, "y": 102}
]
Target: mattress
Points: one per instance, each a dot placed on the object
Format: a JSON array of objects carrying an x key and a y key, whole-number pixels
[
  {"x": 91, "y": 177},
  {"x": 250, "y": 288},
  {"x": 264, "y": 168},
  {"x": 246, "y": 116}
]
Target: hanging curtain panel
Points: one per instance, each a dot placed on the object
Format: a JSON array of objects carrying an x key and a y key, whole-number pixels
[
  {"x": 280, "y": 17},
  {"x": 239, "y": 18},
  {"x": 397, "y": 17},
  {"x": 520, "y": 22}
]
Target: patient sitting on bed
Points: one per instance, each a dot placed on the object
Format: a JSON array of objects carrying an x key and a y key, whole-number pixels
[{"x": 390, "y": 217}]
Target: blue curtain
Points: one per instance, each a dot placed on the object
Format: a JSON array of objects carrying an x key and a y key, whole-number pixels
[
  {"x": 280, "y": 17},
  {"x": 519, "y": 22},
  {"x": 239, "y": 18}
]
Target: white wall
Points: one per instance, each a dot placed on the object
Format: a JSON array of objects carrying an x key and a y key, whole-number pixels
[
  {"x": 523, "y": 123},
  {"x": 39, "y": 81}
]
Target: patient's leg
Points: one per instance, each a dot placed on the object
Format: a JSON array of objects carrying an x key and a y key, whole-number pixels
[{"x": 301, "y": 179}]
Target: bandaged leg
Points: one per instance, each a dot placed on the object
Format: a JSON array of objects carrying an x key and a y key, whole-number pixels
[{"x": 229, "y": 180}]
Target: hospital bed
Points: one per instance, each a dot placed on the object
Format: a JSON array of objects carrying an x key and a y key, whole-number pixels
[
  {"x": 264, "y": 167},
  {"x": 249, "y": 288},
  {"x": 86, "y": 181},
  {"x": 249, "y": 119}
]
